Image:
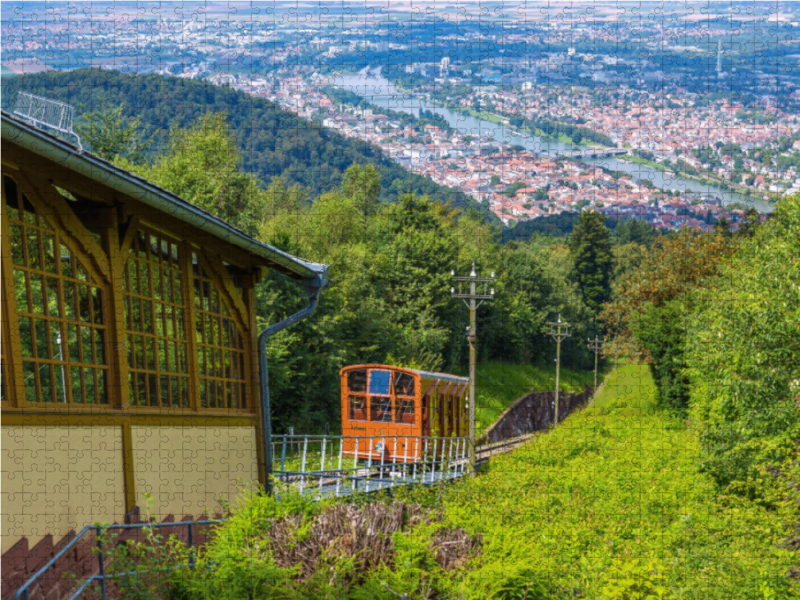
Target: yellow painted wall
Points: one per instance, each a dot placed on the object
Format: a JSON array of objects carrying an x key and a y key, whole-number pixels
[
  {"x": 187, "y": 469},
  {"x": 57, "y": 478}
]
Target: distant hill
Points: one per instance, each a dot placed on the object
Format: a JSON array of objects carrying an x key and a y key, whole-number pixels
[{"x": 274, "y": 141}]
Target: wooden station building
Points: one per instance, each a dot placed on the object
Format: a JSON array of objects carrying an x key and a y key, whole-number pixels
[{"x": 129, "y": 347}]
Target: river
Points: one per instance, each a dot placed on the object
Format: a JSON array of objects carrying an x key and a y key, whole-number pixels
[{"x": 370, "y": 84}]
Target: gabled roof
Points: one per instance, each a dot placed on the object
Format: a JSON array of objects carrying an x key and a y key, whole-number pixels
[{"x": 55, "y": 149}]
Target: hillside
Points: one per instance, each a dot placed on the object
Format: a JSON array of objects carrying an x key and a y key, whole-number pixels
[
  {"x": 273, "y": 141},
  {"x": 499, "y": 384},
  {"x": 609, "y": 505}
]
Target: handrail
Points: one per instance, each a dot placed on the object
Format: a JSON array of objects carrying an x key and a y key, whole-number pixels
[{"x": 99, "y": 528}]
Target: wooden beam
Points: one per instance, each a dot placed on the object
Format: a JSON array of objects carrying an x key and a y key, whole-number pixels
[
  {"x": 189, "y": 325},
  {"x": 58, "y": 174},
  {"x": 66, "y": 219},
  {"x": 227, "y": 287},
  {"x": 252, "y": 373},
  {"x": 129, "y": 471},
  {"x": 126, "y": 238},
  {"x": 12, "y": 347},
  {"x": 67, "y": 418},
  {"x": 118, "y": 339}
]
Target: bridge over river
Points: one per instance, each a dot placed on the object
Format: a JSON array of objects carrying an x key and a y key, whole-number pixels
[{"x": 591, "y": 153}]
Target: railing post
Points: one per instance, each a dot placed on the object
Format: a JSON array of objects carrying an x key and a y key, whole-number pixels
[
  {"x": 339, "y": 470},
  {"x": 283, "y": 459},
  {"x": 303, "y": 465},
  {"x": 191, "y": 547},
  {"x": 101, "y": 562},
  {"x": 433, "y": 462},
  {"x": 322, "y": 467}
]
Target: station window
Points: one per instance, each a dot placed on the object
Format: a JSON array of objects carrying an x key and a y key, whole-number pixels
[
  {"x": 62, "y": 328},
  {"x": 220, "y": 346},
  {"x": 357, "y": 410},
  {"x": 154, "y": 322},
  {"x": 380, "y": 409}
]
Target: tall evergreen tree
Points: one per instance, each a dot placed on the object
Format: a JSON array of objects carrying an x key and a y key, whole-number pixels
[{"x": 590, "y": 247}]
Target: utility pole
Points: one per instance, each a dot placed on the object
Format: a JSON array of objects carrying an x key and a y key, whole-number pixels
[
  {"x": 471, "y": 300},
  {"x": 595, "y": 345},
  {"x": 559, "y": 331}
]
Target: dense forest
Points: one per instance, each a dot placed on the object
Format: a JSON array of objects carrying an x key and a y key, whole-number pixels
[{"x": 273, "y": 142}]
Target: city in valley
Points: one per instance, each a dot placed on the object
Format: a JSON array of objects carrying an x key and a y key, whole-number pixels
[{"x": 520, "y": 116}]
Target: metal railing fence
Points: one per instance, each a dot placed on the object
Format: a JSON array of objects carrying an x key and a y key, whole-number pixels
[
  {"x": 324, "y": 465},
  {"x": 103, "y": 577}
]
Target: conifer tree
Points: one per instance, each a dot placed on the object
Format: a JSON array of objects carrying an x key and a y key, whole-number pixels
[{"x": 590, "y": 247}]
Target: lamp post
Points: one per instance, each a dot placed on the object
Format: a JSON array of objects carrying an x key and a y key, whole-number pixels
[
  {"x": 559, "y": 331},
  {"x": 472, "y": 299},
  {"x": 595, "y": 345}
]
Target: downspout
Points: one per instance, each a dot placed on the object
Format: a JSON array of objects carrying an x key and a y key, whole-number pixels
[{"x": 313, "y": 287}]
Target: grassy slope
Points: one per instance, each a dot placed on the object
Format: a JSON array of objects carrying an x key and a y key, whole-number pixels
[
  {"x": 612, "y": 501},
  {"x": 499, "y": 384}
]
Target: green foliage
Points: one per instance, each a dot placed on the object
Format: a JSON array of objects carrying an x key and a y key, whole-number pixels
[
  {"x": 744, "y": 353},
  {"x": 610, "y": 505},
  {"x": 590, "y": 247},
  {"x": 363, "y": 186},
  {"x": 203, "y": 164},
  {"x": 499, "y": 384},
  {"x": 112, "y": 135}
]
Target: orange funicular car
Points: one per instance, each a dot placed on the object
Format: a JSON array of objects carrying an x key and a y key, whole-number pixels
[{"x": 401, "y": 407}]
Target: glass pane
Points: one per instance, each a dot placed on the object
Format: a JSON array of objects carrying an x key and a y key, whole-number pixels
[
  {"x": 357, "y": 380},
  {"x": 21, "y": 291},
  {"x": 405, "y": 412},
  {"x": 151, "y": 354},
  {"x": 357, "y": 408},
  {"x": 86, "y": 342},
  {"x": 49, "y": 253},
  {"x": 83, "y": 303},
  {"x": 41, "y": 338},
  {"x": 71, "y": 347},
  {"x": 99, "y": 345},
  {"x": 11, "y": 197},
  {"x": 102, "y": 386},
  {"x": 29, "y": 379},
  {"x": 380, "y": 409},
  {"x": 66, "y": 261},
  {"x": 184, "y": 392},
  {"x": 155, "y": 252},
  {"x": 88, "y": 380},
  {"x": 37, "y": 293},
  {"x": 53, "y": 303},
  {"x": 157, "y": 283},
  {"x": 75, "y": 384},
  {"x": 379, "y": 382},
  {"x": 203, "y": 401},
  {"x": 144, "y": 273},
  {"x": 153, "y": 389},
  {"x": 164, "y": 381},
  {"x": 133, "y": 275},
  {"x": 81, "y": 272},
  {"x": 141, "y": 389},
  {"x": 147, "y": 313},
  {"x": 174, "y": 391},
  {"x": 55, "y": 339},
  {"x": 45, "y": 383},
  {"x": 61, "y": 384},
  {"x": 176, "y": 281},
  {"x": 170, "y": 322},
  {"x": 16, "y": 245},
  {"x": 167, "y": 296},
  {"x": 403, "y": 384},
  {"x": 173, "y": 364},
  {"x": 32, "y": 236},
  {"x": 70, "y": 310},
  {"x": 139, "y": 352},
  {"x": 180, "y": 331},
  {"x": 136, "y": 312},
  {"x": 97, "y": 305},
  {"x": 30, "y": 212},
  {"x": 26, "y": 337},
  {"x": 181, "y": 357}
]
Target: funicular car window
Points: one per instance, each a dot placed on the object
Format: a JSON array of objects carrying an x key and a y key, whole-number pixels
[
  {"x": 357, "y": 406},
  {"x": 405, "y": 412},
  {"x": 380, "y": 409},
  {"x": 357, "y": 381},
  {"x": 403, "y": 384}
]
